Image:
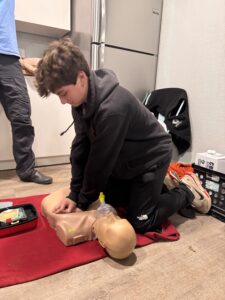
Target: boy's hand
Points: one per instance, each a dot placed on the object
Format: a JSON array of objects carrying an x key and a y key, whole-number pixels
[{"x": 66, "y": 205}]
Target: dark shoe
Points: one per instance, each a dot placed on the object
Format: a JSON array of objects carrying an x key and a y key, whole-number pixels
[
  {"x": 38, "y": 177},
  {"x": 187, "y": 212}
]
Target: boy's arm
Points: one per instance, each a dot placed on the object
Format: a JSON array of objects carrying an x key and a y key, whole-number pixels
[
  {"x": 104, "y": 152},
  {"x": 78, "y": 157}
]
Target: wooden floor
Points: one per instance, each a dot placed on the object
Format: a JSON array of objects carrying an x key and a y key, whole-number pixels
[{"x": 188, "y": 269}]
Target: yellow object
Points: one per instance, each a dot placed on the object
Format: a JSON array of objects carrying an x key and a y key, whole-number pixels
[
  {"x": 71, "y": 230},
  {"x": 102, "y": 197}
]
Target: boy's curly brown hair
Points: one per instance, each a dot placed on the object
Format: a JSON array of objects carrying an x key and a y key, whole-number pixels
[{"x": 59, "y": 66}]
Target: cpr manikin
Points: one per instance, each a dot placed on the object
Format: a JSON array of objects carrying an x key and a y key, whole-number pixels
[{"x": 100, "y": 222}]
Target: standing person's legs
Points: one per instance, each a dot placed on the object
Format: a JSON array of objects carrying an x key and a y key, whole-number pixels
[{"x": 16, "y": 103}]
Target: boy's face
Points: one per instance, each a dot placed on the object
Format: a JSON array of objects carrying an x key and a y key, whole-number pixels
[{"x": 74, "y": 94}]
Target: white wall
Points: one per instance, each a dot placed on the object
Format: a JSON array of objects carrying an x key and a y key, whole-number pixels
[{"x": 192, "y": 56}]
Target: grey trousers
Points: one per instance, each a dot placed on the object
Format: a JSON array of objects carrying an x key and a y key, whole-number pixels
[{"x": 16, "y": 104}]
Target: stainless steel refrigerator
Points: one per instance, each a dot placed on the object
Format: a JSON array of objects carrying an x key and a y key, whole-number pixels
[{"x": 122, "y": 35}]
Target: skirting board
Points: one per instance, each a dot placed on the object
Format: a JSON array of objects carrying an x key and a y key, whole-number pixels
[{"x": 40, "y": 162}]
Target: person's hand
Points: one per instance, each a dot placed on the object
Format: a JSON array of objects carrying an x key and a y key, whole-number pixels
[
  {"x": 77, "y": 209},
  {"x": 66, "y": 205},
  {"x": 29, "y": 65}
]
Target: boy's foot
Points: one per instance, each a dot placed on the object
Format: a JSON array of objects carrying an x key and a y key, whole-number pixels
[
  {"x": 202, "y": 201},
  {"x": 171, "y": 180},
  {"x": 187, "y": 212}
]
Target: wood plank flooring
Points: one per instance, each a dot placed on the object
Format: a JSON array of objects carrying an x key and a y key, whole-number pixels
[{"x": 188, "y": 269}]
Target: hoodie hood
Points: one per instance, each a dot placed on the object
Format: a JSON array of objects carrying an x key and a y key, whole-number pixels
[{"x": 102, "y": 82}]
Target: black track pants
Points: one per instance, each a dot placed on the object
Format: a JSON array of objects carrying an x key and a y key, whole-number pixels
[{"x": 147, "y": 207}]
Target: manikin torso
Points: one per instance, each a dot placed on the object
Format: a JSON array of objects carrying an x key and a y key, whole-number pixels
[{"x": 71, "y": 228}]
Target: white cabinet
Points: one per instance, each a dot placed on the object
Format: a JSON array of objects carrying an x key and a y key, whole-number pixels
[
  {"x": 43, "y": 17},
  {"x": 50, "y": 118}
]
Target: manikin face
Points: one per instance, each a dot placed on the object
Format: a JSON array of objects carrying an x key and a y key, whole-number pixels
[
  {"x": 74, "y": 94},
  {"x": 116, "y": 235},
  {"x": 102, "y": 226}
]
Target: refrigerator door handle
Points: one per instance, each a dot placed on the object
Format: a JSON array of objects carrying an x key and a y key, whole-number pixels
[
  {"x": 97, "y": 56},
  {"x": 103, "y": 21},
  {"x": 95, "y": 4},
  {"x": 98, "y": 21}
]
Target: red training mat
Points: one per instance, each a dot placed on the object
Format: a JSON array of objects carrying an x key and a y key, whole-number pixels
[{"x": 38, "y": 252}]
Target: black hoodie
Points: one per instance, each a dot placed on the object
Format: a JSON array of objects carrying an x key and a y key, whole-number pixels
[{"x": 116, "y": 135}]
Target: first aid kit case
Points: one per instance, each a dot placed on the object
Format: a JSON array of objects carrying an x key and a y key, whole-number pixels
[{"x": 18, "y": 218}]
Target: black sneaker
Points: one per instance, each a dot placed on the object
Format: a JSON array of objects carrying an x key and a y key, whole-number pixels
[{"x": 38, "y": 177}]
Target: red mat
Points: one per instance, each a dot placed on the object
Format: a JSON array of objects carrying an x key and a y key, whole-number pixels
[{"x": 38, "y": 253}]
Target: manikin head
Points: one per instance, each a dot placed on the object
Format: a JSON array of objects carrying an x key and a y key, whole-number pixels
[
  {"x": 100, "y": 221},
  {"x": 114, "y": 234}
]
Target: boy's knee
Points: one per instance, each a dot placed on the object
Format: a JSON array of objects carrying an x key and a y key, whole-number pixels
[
  {"x": 140, "y": 223},
  {"x": 143, "y": 222}
]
